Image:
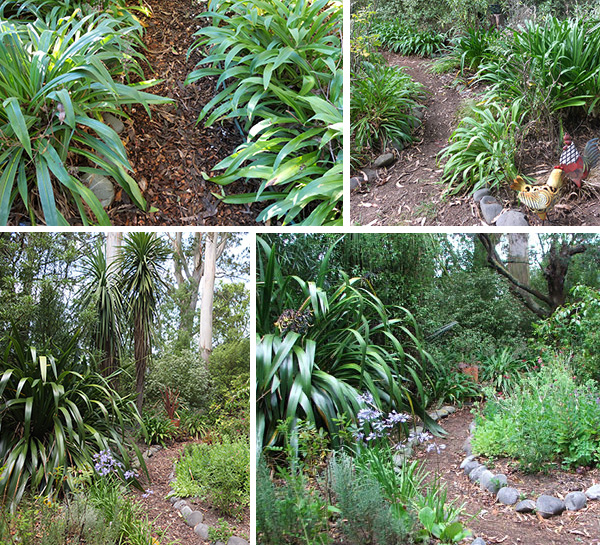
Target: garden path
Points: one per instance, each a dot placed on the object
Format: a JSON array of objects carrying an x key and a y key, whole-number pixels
[
  {"x": 160, "y": 510},
  {"x": 497, "y": 523},
  {"x": 408, "y": 192},
  {"x": 169, "y": 151}
]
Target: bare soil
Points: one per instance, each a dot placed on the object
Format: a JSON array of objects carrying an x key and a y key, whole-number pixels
[
  {"x": 408, "y": 193},
  {"x": 161, "y": 512},
  {"x": 497, "y": 523}
]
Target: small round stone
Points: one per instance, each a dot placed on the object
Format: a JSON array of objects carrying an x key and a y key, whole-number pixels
[
  {"x": 508, "y": 495},
  {"x": 549, "y": 506},
  {"x": 574, "y": 501},
  {"x": 525, "y": 506}
]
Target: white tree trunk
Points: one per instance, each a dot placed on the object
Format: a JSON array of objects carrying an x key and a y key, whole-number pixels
[
  {"x": 518, "y": 256},
  {"x": 208, "y": 293},
  {"x": 213, "y": 249},
  {"x": 114, "y": 239}
]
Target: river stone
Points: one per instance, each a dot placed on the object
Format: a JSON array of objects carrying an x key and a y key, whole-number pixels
[
  {"x": 472, "y": 426},
  {"x": 113, "y": 122},
  {"x": 525, "y": 506},
  {"x": 466, "y": 461},
  {"x": 549, "y": 506},
  {"x": 574, "y": 501},
  {"x": 593, "y": 493},
  {"x": 236, "y": 541},
  {"x": 480, "y": 193},
  {"x": 354, "y": 182},
  {"x": 104, "y": 190},
  {"x": 489, "y": 209},
  {"x": 185, "y": 511},
  {"x": 174, "y": 500},
  {"x": 476, "y": 473},
  {"x": 180, "y": 504},
  {"x": 470, "y": 466},
  {"x": 449, "y": 409},
  {"x": 508, "y": 495},
  {"x": 435, "y": 415},
  {"x": 512, "y": 218},
  {"x": 467, "y": 446},
  {"x": 194, "y": 518},
  {"x": 201, "y": 530},
  {"x": 384, "y": 160},
  {"x": 485, "y": 479},
  {"x": 478, "y": 541},
  {"x": 496, "y": 483},
  {"x": 370, "y": 174}
]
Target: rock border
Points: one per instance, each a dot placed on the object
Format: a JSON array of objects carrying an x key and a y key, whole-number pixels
[
  {"x": 195, "y": 519},
  {"x": 494, "y": 214},
  {"x": 547, "y": 506}
]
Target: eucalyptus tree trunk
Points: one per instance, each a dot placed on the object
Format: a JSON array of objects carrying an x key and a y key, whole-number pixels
[
  {"x": 517, "y": 261},
  {"x": 214, "y": 247}
]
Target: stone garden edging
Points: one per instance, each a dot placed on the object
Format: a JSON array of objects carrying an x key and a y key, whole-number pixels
[
  {"x": 547, "y": 506},
  {"x": 192, "y": 518}
]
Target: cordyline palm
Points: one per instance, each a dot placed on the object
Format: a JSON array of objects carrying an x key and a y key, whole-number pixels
[
  {"x": 142, "y": 268},
  {"x": 102, "y": 292}
]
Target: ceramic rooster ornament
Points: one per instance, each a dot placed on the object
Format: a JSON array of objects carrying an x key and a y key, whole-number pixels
[{"x": 540, "y": 199}]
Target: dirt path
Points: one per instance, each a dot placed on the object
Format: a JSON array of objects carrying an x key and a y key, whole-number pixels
[
  {"x": 160, "y": 511},
  {"x": 497, "y": 523},
  {"x": 407, "y": 194}
]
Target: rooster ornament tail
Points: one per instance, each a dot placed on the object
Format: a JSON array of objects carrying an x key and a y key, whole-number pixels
[{"x": 575, "y": 166}]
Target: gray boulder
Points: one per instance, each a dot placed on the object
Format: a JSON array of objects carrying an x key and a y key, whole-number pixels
[
  {"x": 478, "y": 541},
  {"x": 449, "y": 409},
  {"x": 508, "y": 495},
  {"x": 180, "y": 504},
  {"x": 496, "y": 483},
  {"x": 370, "y": 174},
  {"x": 354, "y": 182},
  {"x": 489, "y": 209},
  {"x": 384, "y": 160},
  {"x": 201, "y": 530},
  {"x": 512, "y": 218},
  {"x": 236, "y": 541},
  {"x": 549, "y": 506},
  {"x": 472, "y": 426},
  {"x": 593, "y": 493},
  {"x": 475, "y": 475},
  {"x": 485, "y": 479},
  {"x": 466, "y": 461},
  {"x": 467, "y": 446},
  {"x": 194, "y": 518},
  {"x": 525, "y": 506},
  {"x": 470, "y": 466},
  {"x": 480, "y": 193},
  {"x": 574, "y": 501},
  {"x": 185, "y": 511},
  {"x": 104, "y": 190},
  {"x": 174, "y": 500},
  {"x": 113, "y": 122}
]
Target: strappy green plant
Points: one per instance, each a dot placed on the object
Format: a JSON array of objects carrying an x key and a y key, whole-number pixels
[
  {"x": 51, "y": 103},
  {"x": 55, "y": 412},
  {"x": 352, "y": 345},
  {"x": 280, "y": 77}
]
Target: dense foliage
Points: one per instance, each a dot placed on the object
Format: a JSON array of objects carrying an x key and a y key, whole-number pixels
[
  {"x": 279, "y": 65},
  {"x": 56, "y": 412}
]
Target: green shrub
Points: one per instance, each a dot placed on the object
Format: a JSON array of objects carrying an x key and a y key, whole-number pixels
[
  {"x": 229, "y": 363},
  {"x": 159, "y": 429},
  {"x": 482, "y": 149},
  {"x": 289, "y": 512},
  {"x": 547, "y": 418},
  {"x": 364, "y": 43},
  {"x": 502, "y": 370},
  {"x": 50, "y": 109},
  {"x": 549, "y": 67},
  {"x": 56, "y": 412},
  {"x": 365, "y": 514},
  {"x": 352, "y": 343},
  {"x": 575, "y": 328},
  {"x": 192, "y": 423},
  {"x": 184, "y": 371},
  {"x": 219, "y": 472},
  {"x": 403, "y": 38},
  {"x": 382, "y": 108},
  {"x": 280, "y": 67},
  {"x": 476, "y": 47}
]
